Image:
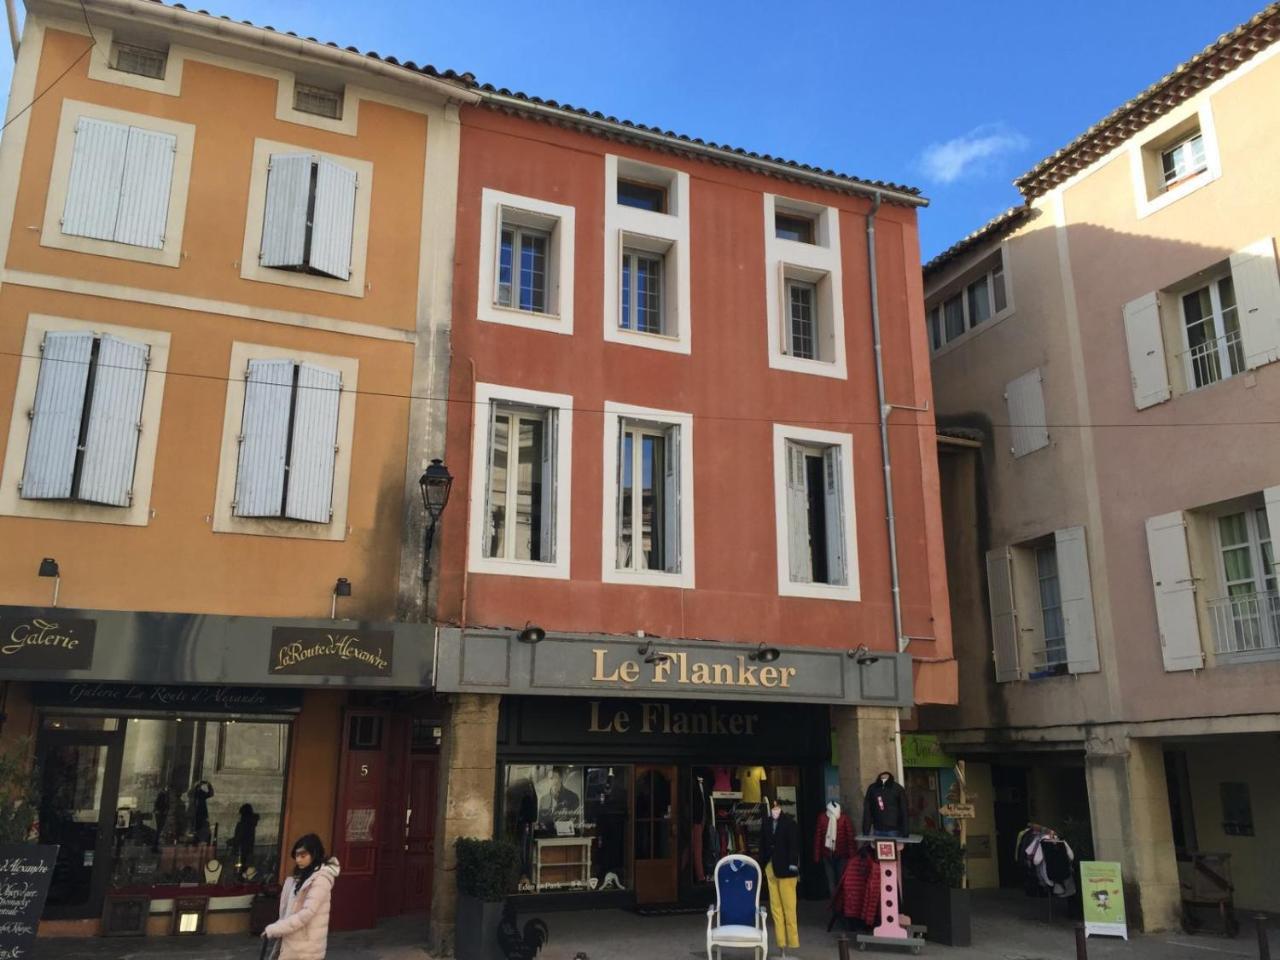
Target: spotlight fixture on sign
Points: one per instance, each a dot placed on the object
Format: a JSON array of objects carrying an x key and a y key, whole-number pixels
[
  {"x": 862, "y": 656},
  {"x": 532, "y": 633},
  {"x": 340, "y": 589},
  {"x": 765, "y": 654},
  {"x": 436, "y": 482},
  {"x": 651, "y": 655},
  {"x": 49, "y": 568}
]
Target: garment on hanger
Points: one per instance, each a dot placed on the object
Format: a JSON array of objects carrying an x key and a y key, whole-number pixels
[
  {"x": 749, "y": 780},
  {"x": 698, "y": 821},
  {"x": 833, "y": 834},
  {"x": 1053, "y": 859},
  {"x": 858, "y": 894},
  {"x": 721, "y": 782}
]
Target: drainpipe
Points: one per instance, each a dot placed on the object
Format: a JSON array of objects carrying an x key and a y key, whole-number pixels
[{"x": 885, "y": 409}]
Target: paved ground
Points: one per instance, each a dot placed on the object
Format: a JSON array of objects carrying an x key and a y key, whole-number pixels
[{"x": 1007, "y": 926}]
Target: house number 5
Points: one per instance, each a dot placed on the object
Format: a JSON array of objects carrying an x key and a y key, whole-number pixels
[{"x": 364, "y": 770}]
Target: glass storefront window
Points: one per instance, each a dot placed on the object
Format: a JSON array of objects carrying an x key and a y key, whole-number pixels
[{"x": 571, "y": 823}]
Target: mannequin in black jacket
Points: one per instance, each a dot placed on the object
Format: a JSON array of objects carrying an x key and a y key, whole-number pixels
[
  {"x": 780, "y": 855},
  {"x": 885, "y": 809}
]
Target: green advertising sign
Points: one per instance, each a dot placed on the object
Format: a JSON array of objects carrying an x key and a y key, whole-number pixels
[
  {"x": 1103, "y": 896},
  {"x": 924, "y": 750}
]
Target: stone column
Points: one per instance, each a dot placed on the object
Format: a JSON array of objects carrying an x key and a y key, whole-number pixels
[
  {"x": 1129, "y": 807},
  {"x": 464, "y": 800},
  {"x": 866, "y": 744}
]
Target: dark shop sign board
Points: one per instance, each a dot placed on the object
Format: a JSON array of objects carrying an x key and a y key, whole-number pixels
[{"x": 25, "y": 872}]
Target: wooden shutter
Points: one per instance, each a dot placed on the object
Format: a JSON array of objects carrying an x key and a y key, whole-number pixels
[
  {"x": 56, "y": 416},
  {"x": 1077, "y": 600},
  {"x": 547, "y": 506},
  {"x": 1028, "y": 430},
  {"x": 1257, "y": 285},
  {"x": 115, "y": 422},
  {"x": 1175, "y": 592},
  {"x": 834, "y": 497},
  {"x": 284, "y": 218},
  {"x": 144, "y": 189},
  {"x": 333, "y": 220},
  {"x": 93, "y": 189},
  {"x": 490, "y": 547},
  {"x": 314, "y": 447},
  {"x": 799, "y": 554},
  {"x": 264, "y": 433},
  {"x": 671, "y": 508},
  {"x": 1148, "y": 370},
  {"x": 1272, "y": 497},
  {"x": 1004, "y": 615},
  {"x": 623, "y": 502}
]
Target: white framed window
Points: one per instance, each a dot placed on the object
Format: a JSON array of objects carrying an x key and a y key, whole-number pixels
[
  {"x": 969, "y": 303},
  {"x": 1052, "y": 627},
  {"x": 142, "y": 61},
  {"x": 526, "y": 262},
  {"x": 1246, "y": 613},
  {"x": 288, "y": 430},
  {"x": 803, "y": 312},
  {"x": 1176, "y": 156},
  {"x": 520, "y": 482},
  {"x": 307, "y": 224},
  {"x": 118, "y": 185},
  {"x": 1212, "y": 348},
  {"x": 646, "y": 281},
  {"x": 86, "y": 415},
  {"x": 815, "y": 513},
  {"x": 647, "y": 529}
]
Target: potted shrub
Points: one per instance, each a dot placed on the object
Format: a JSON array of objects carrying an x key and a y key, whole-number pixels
[
  {"x": 932, "y": 893},
  {"x": 486, "y": 874}
]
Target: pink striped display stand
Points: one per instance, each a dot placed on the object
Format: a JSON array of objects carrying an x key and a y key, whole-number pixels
[{"x": 895, "y": 929}]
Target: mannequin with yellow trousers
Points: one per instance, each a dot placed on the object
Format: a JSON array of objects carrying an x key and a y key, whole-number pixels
[{"x": 780, "y": 852}]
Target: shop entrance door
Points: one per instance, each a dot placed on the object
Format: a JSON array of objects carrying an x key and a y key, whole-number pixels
[
  {"x": 655, "y": 834},
  {"x": 407, "y": 845},
  {"x": 80, "y": 777},
  {"x": 359, "y": 816}
]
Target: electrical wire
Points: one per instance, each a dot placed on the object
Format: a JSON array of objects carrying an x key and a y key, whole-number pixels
[
  {"x": 466, "y": 401},
  {"x": 93, "y": 42}
]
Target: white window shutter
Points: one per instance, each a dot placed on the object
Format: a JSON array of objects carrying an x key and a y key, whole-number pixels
[
  {"x": 833, "y": 492},
  {"x": 144, "y": 189},
  {"x": 1253, "y": 272},
  {"x": 798, "y": 551},
  {"x": 547, "y": 515},
  {"x": 284, "y": 219},
  {"x": 784, "y": 309},
  {"x": 491, "y": 548},
  {"x": 1148, "y": 370},
  {"x": 1077, "y": 600},
  {"x": 1028, "y": 429},
  {"x": 56, "y": 415},
  {"x": 115, "y": 421},
  {"x": 264, "y": 434},
  {"x": 1004, "y": 615},
  {"x": 314, "y": 447},
  {"x": 1175, "y": 592},
  {"x": 1271, "y": 496},
  {"x": 333, "y": 220},
  {"x": 671, "y": 503},
  {"x": 93, "y": 189},
  {"x": 623, "y": 550}
]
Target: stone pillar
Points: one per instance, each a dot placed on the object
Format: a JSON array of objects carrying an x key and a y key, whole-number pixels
[
  {"x": 866, "y": 744},
  {"x": 1129, "y": 807},
  {"x": 464, "y": 800}
]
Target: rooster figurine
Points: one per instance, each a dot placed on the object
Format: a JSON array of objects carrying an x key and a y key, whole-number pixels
[{"x": 518, "y": 944}]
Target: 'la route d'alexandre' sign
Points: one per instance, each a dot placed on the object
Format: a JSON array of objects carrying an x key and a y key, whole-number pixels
[{"x": 337, "y": 652}]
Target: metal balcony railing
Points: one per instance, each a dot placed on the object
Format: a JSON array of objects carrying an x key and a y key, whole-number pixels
[
  {"x": 1205, "y": 360},
  {"x": 1246, "y": 623}
]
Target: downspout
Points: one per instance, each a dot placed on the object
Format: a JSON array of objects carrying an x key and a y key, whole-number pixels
[{"x": 885, "y": 408}]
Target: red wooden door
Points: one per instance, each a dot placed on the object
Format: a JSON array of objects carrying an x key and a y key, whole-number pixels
[
  {"x": 391, "y": 840},
  {"x": 358, "y": 818},
  {"x": 420, "y": 836}
]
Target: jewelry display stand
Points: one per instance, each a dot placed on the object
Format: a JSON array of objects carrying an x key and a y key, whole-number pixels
[{"x": 895, "y": 929}]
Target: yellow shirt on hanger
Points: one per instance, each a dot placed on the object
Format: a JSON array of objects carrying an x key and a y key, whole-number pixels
[{"x": 749, "y": 780}]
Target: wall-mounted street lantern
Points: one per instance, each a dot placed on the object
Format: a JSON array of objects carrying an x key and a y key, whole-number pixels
[
  {"x": 49, "y": 568},
  {"x": 436, "y": 482},
  {"x": 340, "y": 589}
]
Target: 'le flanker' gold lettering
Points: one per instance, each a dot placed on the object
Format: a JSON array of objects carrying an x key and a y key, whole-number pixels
[
  {"x": 37, "y": 633},
  {"x": 662, "y": 719},
  {"x": 676, "y": 668}
]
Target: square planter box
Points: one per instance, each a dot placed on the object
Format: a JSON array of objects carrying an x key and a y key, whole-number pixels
[
  {"x": 944, "y": 910},
  {"x": 476, "y": 934}
]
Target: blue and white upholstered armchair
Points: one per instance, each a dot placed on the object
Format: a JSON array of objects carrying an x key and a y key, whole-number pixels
[{"x": 737, "y": 920}]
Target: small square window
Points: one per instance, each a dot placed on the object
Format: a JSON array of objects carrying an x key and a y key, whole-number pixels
[
  {"x": 642, "y": 196},
  {"x": 642, "y": 300},
  {"x": 1183, "y": 160},
  {"x": 143, "y": 61},
  {"x": 526, "y": 262},
  {"x": 522, "y": 268},
  {"x": 789, "y": 226},
  {"x": 1237, "y": 810},
  {"x": 317, "y": 100}
]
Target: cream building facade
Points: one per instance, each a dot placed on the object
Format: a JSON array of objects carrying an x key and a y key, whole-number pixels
[{"x": 1105, "y": 364}]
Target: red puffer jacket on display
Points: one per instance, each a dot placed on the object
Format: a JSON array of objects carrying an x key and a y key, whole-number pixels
[{"x": 859, "y": 893}]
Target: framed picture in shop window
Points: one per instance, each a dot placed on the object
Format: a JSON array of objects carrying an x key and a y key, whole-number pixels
[
  {"x": 125, "y": 916},
  {"x": 251, "y": 747}
]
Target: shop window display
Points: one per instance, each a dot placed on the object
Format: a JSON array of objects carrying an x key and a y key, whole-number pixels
[{"x": 734, "y": 811}]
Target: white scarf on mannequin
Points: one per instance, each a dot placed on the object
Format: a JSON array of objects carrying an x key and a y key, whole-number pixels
[{"x": 833, "y": 816}]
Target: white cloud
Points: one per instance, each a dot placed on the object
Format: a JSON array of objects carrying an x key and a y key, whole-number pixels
[{"x": 970, "y": 154}]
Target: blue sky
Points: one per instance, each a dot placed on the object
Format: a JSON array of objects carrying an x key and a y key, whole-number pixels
[{"x": 956, "y": 98}]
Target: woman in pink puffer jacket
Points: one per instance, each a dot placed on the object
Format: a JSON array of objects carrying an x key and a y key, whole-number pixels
[{"x": 303, "y": 927}]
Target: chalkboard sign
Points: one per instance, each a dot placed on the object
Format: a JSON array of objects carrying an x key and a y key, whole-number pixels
[{"x": 25, "y": 872}]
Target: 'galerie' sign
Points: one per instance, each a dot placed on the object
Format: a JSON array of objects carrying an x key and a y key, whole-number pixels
[
  {"x": 678, "y": 669},
  {"x": 338, "y": 652},
  {"x": 42, "y": 642}
]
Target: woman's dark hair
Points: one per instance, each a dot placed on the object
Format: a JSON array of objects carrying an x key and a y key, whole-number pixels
[{"x": 313, "y": 845}]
